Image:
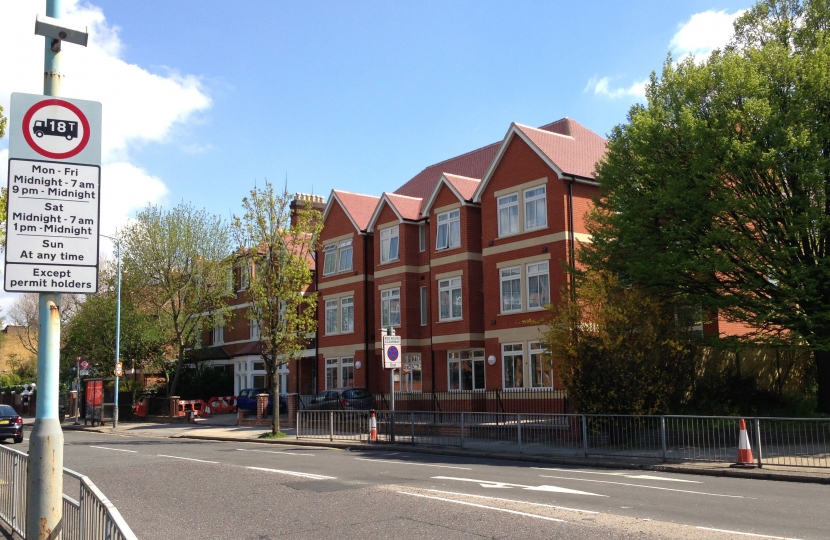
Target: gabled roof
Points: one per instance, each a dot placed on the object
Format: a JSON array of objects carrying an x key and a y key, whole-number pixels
[
  {"x": 358, "y": 207},
  {"x": 472, "y": 164},
  {"x": 568, "y": 147},
  {"x": 406, "y": 208},
  {"x": 461, "y": 186}
]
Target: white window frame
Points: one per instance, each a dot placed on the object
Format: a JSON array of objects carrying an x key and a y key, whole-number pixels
[
  {"x": 506, "y": 203},
  {"x": 345, "y": 247},
  {"x": 424, "y": 307},
  {"x": 331, "y": 307},
  {"x": 475, "y": 357},
  {"x": 218, "y": 335},
  {"x": 446, "y": 294},
  {"x": 534, "y": 348},
  {"x": 332, "y": 364},
  {"x": 386, "y": 242},
  {"x": 338, "y": 370},
  {"x": 532, "y": 196},
  {"x": 411, "y": 380},
  {"x": 346, "y": 367},
  {"x": 388, "y": 296},
  {"x": 448, "y": 222},
  {"x": 509, "y": 354},
  {"x": 537, "y": 270},
  {"x": 253, "y": 329},
  {"x": 346, "y": 323},
  {"x": 244, "y": 277},
  {"x": 422, "y": 237},
  {"x": 330, "y": 254},
  {"x": 515, "y": 274}
]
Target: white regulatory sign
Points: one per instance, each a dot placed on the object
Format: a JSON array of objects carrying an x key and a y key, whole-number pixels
[
  {"x": 54, "y": 195},
  {"x": 391, "y": 352}
]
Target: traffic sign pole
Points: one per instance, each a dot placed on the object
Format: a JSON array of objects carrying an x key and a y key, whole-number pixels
[{"x": 44, "y": 479}]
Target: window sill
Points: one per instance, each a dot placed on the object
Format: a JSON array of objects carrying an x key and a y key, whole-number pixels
[
  {"x": 505, "y": 313},
  {"x": 442, "y": 250},
  {"x": 448, "y": 320},
  {"x": 527, "y": 231},
  {"x": 389, "y": 262}
]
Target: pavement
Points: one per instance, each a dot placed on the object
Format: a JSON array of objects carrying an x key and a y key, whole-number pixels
[{"x": 224, "y": 428}]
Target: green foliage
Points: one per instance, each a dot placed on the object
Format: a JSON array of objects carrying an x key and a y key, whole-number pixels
[
  {"x": 277, "y": 435},
  {"x": 24, "y": 369},
  {"x": 174, "y": 270},
  {"x": 717, "y": 189},
  {"x": 10, "y": 379},
  {"x": 280, "y": 252},
  {"x": 619, "y": 350},
  {"x": 3, "y": 122}
]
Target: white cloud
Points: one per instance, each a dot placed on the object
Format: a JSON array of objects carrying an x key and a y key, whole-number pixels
[
  {"x": 703, "y": 33},
  {"x": 698, "y": 37},
  {"x": 602, "y": 87},
  {"x": 138, "y": 106}
]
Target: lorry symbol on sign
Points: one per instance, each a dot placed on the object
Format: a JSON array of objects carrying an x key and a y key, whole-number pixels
[{"x": 57, "y": 128}]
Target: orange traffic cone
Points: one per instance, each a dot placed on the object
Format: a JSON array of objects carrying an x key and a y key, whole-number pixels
[
  {"x": 744, "y": 449},
  {"x": 373, "y": 428}
]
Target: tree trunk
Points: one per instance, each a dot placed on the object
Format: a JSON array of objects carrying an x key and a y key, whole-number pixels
[
  {"x": 275, "y": 385},
  {"x": 177, "y": 374},
  {"x": 823, "y": 380}
]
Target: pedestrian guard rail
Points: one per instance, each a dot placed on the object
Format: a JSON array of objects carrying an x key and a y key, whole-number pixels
[
  {"x": 794, "y": 442},
  {"x": 221, "y": 405},
  {"x": 90, "y": 516}
]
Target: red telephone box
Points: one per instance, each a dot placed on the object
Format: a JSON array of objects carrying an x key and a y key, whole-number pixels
[{"x": 94, "y": 401}]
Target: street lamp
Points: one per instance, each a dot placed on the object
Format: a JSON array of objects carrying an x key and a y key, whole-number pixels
[{"x": 117, "y": 328}]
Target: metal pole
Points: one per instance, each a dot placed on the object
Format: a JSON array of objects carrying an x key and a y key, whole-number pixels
[
  {"x": 44, "y": 479},
  {"x": 585, "y": 434},
  {"x": 117, "y": 335},
  {"x": 663, "y": 436},
  {"x": 758, "y": 442},
  {"x": 78, "y": 391}
]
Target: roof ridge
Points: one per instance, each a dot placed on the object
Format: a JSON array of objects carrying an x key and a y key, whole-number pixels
[
  {"x": 462, "y": 176},
  {"x": 404, "y": 196},
  {"x": 353, "y": 193},
  {"x": 545, "y": 131}
]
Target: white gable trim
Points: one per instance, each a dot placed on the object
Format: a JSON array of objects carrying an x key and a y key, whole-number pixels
[
  {"x": 513, "y": 131},
  {"x": 376, "y": 213},
  {"x": 333, "y": 197},
  {"x": 434, "y": 195}
]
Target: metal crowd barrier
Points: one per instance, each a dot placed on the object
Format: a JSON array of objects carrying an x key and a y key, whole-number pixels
[
  {"x": 89, "y": 517},
  {"x": 775, "y": 441}
]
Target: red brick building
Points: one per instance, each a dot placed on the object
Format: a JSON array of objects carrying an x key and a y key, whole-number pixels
[{"x": 460, "y": 260}]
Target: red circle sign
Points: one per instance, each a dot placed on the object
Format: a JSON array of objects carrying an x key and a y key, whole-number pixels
[{"x": 39, "y": 130}]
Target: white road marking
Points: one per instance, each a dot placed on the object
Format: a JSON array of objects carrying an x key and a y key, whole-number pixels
[
  {"x": 626, "y": 475},
  {"x": 114, "y": 449},
  {"x": 273, "y": 452},
  {"x": 188, "y": 458},
  {"x": 483, "y": 506},
  {"x": 646, "y": 487},
  {"x": 294, "y": 473},
  {"x": 747, "y": 534},
  {"x": 418, "y": 464},
  {"x": 492, "y": 484},
  {"x": 511, "y": 500}
]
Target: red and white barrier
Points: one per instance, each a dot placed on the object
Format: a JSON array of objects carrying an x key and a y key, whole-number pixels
[
  {"x": 221, "y": 405},
  {"x": 373, "y": 428}
]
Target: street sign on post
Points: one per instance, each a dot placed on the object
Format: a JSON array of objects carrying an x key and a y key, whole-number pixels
[
  {"x": 391, "y": 352},
  {"x": 54, "y": 195},
  {"x": 119, "y": 369}
]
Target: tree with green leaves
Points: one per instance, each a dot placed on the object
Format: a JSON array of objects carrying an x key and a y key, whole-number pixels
[
  {"x": 620, "y": 350},
  {"x": 175, "y": 269},
  {"x": 717, "y": 191},
  {"x": 280, "y": 249}
]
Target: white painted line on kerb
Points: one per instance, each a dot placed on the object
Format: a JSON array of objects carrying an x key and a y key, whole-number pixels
[
  {"x": 626, "y": 475},
  {"x": 516, "y": 512},
  {"x": 646, "y": 487},
  {"x": 512, "y": 501},
  {"x": 273, "y": 452},
  {"x": 747, "y": 534},
  {"x": 294, "y": 473},
  {"x": 114, "y": 449},
  {"x": 188, "y": 458},
  {"x": 407, "y": 463},
  {"x": 505, "y": 485}
]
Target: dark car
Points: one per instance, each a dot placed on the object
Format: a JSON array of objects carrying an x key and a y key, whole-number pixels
[
  {"x": 343, "y": 399},
  {"x": 247, "y": 398},
  {"x": 11, "y": 424}
]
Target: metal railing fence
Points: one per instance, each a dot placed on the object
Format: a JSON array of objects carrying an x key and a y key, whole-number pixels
[
  {"x": 540, "y": 400},
  {"x": 775, "y": 441},
  {"x": 89, "y": 517}
]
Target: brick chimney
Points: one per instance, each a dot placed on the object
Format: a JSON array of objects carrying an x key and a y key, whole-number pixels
[{"x": 300, "y": 201}]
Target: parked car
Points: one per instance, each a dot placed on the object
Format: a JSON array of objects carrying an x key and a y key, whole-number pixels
[
  {"x": 246, "y": 400},
  {"x": 11, "y": 424},
  {"x": 343, "y": 399}
]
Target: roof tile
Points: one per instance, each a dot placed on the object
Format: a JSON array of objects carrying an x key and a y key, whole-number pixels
[
  {"x": 360, "y": 207},
  {"x": 572, "y": 147}
]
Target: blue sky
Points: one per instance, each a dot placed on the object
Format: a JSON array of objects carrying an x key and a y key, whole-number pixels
[{"x": 202, "y": 99}]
